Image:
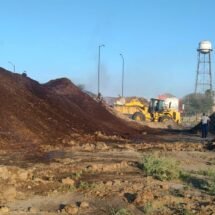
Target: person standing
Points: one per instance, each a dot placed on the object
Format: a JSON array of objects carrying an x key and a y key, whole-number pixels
[{"x": 204, "y": 121}]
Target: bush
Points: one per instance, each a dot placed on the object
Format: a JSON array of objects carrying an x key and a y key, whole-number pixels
[
  {"x": 121, "y": 211},
  {"x": 160, "y": 167},
  {"x": 85, "y": 185},
  {"x": 148, "y": 208},
  {"x": 208, "y": 172}
]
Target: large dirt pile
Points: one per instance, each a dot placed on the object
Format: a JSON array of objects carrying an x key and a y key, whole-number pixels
[
  {"x": 212, "y": 123},
  {"x": 30, "y": 111}
]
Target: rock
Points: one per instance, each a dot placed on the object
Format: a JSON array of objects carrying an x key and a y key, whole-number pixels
[
  {"x": 117, "y": 182},
  {"x": 64, "y": 141},
  {"x": 4, "y": 210},
  {"x": 84, "y": 205},
  {"x": 22, "y": 175},
  {"x": 144, "y": 197},
  {"x": 4, "y": 173},
  {"x": 66, "y": 161},
  {"x": 94, "y": 167},
  {"x": 98, "y": 193},
  {"x": 164, "y": 186},
  {"x": 128, "y": 146},
  {"x": 101, "y": 146},
  {"x": 71, "y": 209},
  {"x": 32, "y": 210},
  {"x": 14, "y": 173},
  {"x": 177, "y": 186},
  {"x": 40, "y": 180},
  {"x": 68, "y": 181},
  {"x": 8, "y": 193},
  {"x": 109, "y": 183},
  {"x": 188, "y": 196},
  {"x": 72, "y": 143},
  {"x": 136, "y": 186},
  {"x": 123, "y": 164},
  {"x": 88, "y": 147}
]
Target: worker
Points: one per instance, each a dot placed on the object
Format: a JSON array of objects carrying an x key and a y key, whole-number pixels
[
  {"x": 99, "y": 97},
  {"x": 204, "y": 124}
]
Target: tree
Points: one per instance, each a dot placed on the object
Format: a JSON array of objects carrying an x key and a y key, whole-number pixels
[{"x": 198, "y": 103}]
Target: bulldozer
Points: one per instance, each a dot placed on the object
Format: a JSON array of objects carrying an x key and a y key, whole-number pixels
[{"x": 156, "y": 111}]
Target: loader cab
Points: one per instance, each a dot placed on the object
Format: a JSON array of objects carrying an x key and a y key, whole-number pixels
[{"x": 156, "y": 105}]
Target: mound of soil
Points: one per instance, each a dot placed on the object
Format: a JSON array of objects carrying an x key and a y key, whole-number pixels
[
  {"x": 34, "y": 112},
  {"x": 212, "y": 123}
]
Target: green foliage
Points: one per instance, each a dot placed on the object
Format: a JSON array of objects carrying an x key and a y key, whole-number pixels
[
  {"x": 208, "y": 172},
  {"x": 212, "y": 185},
  {"x": 77, "y": 175},
  {"x": 85, "y": 185},
  {"x": 184, "y": 211},
  {"x": 212, "y": 189},
  {"x": 148, "y": 208},
  {"x": 160, "y": 167},
  {"x": 119, "y": 211}
]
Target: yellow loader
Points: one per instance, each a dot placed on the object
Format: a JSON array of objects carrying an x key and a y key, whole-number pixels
[{"x": 156, "y": 111}]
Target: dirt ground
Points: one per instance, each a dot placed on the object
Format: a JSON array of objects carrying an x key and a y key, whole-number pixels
[
  {"x": 103, "y": 177},
  {"x": 62, "y": 152}
]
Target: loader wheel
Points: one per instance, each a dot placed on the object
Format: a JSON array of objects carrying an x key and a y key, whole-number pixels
[
  {"x": 138, "y": 116},
  {"x": 165, "y": 119}
]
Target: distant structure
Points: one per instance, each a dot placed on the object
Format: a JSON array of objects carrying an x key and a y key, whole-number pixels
[
  {"x": 170, "y": 101},
  {"x": 203, "y": 73}
]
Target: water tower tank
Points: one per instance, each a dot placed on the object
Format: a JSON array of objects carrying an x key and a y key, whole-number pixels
[{"x": 205, "y": 47}]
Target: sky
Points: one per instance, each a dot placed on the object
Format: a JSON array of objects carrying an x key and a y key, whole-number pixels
[{"x": 51, "y": 39}]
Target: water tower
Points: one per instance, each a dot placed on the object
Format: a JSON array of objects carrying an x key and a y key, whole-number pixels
[{"x": 203, "y": 74}]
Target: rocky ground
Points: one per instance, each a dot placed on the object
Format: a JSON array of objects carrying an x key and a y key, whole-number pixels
[{"x": 104, "y": 177}]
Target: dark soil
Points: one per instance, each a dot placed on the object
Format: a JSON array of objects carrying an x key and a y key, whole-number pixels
[{"x": 33, "y": 113}]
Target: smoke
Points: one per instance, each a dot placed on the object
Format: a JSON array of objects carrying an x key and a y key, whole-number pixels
[
  {"x": 91, "y": 82},
  {"x": 105, "y": 79}
]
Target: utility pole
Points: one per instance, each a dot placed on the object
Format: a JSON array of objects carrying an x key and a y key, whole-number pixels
[
  {"x": 13, "y": 65},
  {"x": 123, "y": 65},
  {"x": 100, "y": 46}
]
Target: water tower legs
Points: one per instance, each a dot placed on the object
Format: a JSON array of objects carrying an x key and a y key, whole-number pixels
[{"x": 203, "y": 74}]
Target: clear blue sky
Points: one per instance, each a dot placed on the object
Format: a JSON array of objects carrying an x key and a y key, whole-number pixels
[{"x": 59, "y": 38}]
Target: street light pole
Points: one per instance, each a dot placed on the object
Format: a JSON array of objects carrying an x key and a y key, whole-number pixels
[
  {"x": 13, "y": 65},
  {"x": 123, "y": 65},
  {"x": 100, "y": 46}
]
